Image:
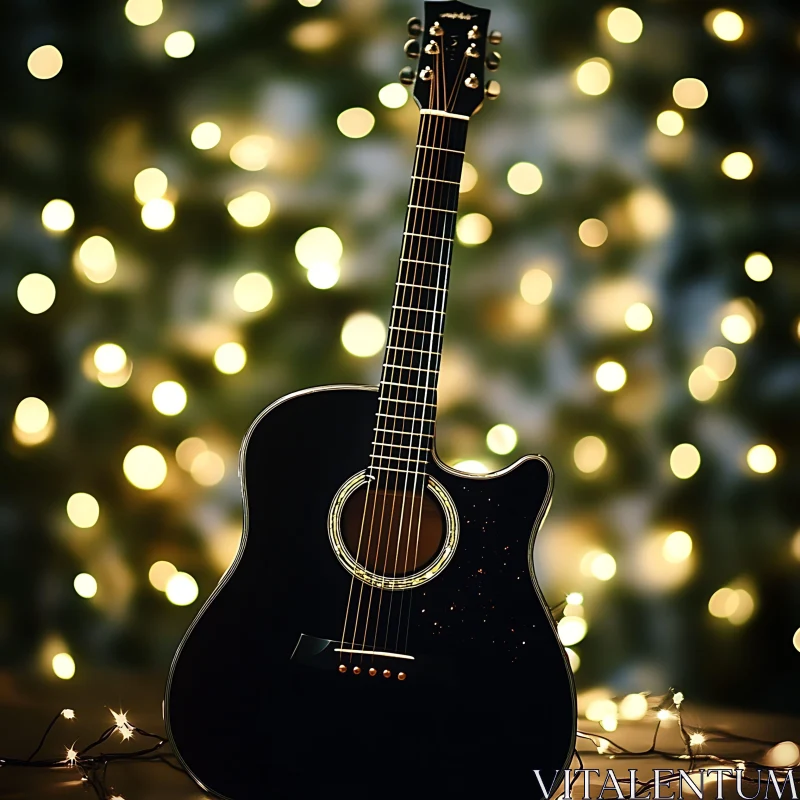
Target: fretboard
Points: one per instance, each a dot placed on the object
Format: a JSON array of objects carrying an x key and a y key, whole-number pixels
[{"x": 407, "y": 393}]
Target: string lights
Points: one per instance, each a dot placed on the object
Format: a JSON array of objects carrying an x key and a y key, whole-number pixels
[{"x": 92, "y": 767}]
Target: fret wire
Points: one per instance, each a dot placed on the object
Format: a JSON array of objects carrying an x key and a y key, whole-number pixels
[
  {"x": 426, "y": 263},
  {"x": 414, "y": 330},
  {"x": 409, "y": 386},
  {"x": 427, "y": 236},
  {"x": 396, "y": 416},
  {"x": 401, "y": 471},
  {"x": 434, "y": 180},
  {"x": 400, "y": 446},
  {"x": 398, "y": 458},
  {"x": 404, "y": 433},
  {"x": 444, "y": 149},
  {"x": 404, "y": 402},
  {"x": 418, "y": 310},
  {"x": 441, "y": 210},
  {"x": 413, "y": 350}
]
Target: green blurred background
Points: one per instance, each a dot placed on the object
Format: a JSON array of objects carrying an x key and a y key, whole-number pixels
[{"x": 625, "y": 300}]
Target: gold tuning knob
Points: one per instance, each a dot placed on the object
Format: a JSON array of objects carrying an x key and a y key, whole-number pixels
[
  {"x": 492, "y": 61},
  {"x": 495, "y": 37},
  {"x": 412, "y": 48},
  {"x": 493, "y": 90}
]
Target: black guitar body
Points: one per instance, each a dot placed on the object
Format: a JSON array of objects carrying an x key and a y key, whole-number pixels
[{"x": 259, "y": 702}]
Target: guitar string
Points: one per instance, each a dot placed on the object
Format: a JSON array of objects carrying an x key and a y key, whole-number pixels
[
  {"x": 429, "y": 191},
  {"x": 439, "y": 91},
  {"x": 385, "y": 414},
  {"x": 442, "y": 290},
  {"x": 372, "y": 479}
]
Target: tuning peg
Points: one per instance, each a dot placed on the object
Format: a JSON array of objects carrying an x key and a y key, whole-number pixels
[
  {"x": 412, "y": 48},
  {"x": 414, "y": 27},
  {"x": 493, "y": 61},
  {"x": 407, "y": 75},
  {"x": 436, "y": 29},
  {"x": 493, "y": 90},
  {"x": 495, "y": 37},
  {"x": 472, "y": 82},
  {"x": 474, "y": 33}
]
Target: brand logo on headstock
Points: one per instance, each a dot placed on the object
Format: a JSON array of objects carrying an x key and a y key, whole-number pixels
[{"x": 457, "y": 15}]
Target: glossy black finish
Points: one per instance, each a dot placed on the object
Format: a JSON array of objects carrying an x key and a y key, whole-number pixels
[{"x": 492, "y": 698}]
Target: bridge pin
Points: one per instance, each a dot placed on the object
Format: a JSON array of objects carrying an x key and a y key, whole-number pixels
[
  {"x": 401, "y": 676},
  {"x": 342, "y": 668},
  {"x": 373, "y": 672},
  {"x": 356, "y": 670},
  {"x": 387, "y": 673}
]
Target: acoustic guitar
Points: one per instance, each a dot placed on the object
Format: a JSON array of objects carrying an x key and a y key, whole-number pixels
[{"x": 380, "y": 632}]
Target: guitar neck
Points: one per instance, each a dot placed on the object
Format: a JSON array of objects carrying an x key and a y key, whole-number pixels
[{"x": 409, "y": 379}]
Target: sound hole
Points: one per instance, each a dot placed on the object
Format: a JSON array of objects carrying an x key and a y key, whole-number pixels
[{"x": 392, "y": 532}]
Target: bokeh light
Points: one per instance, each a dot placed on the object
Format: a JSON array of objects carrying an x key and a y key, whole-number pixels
[
  {"x": 188, "y": 450},
  {"x": 603, "y": 566},
  {"x": 690, "y": 93},
  {"x": 571, "y": 630},
  {"x": 83, "y": 510},
  {"x": 169, "y": 398},
  {"x": 250, "y": 209},
  {"x": 473, "y": 229},
  {"x": 45, "y": 62},
  {"x": 736, "y": 328},
  {"x": 721, "y": 362},
  {"x": 179, "y": 44},
  {"x": 735, "y": 605},
  {"x": 36, "y": 293},
  {"x": 253, "y": 292},
  {"x": 31, "y": 415},
  {"x": 85, "y": 585},
  {"x": 158, "y": 214},
  {"x": 309, "y": 3},
  {"x": 726, "y": 25},
  {"x": 536, "y": 286},
  {"x": 574, "y": 659},
  {"x": 145, "y": 467},
  {"x": 670, "y": 123},
  {"x": 677, "y": 547},
  {"x": 737, "y": 166},
  {"x": 363, "y": 334},
  {"x": 703, "y": 384},
  {"x": 149, "y": 184},
  {"x": 182, "y": 589},
  {"x": 758, "y": 267},
  {"x": 469, "y": 177},
  {"x": 593, "y": 77},
  {"x": 590, "y": 454},
  {"x": 230, "y": 358},
  {"x": 63, "y": 666},
  {"x": 393, "y": 95},
  {"x": 633, "y": 707},
  {"x": 160, "y": 573},
  {"x": 252, "y": 153},
  {"x": 501, "y": 439},
  {"x": 610, "y": 376},
  {"x": 206, "y": 135},
  {"x": 144, "y": 12},
  {"x": 684, "y": 460},
  {"x": 593, "y": 232},
  {"x": 318, "y": 246},
  {"x": 796, "y": 640},
  {"x": 355, "y": 123},
  {"x": 624, "y": 25},
  {"x": 525, "y": 178},
  {"x": 208, "y": 468},
  {"x": 323, "y": 276},
  {"x": 638, "y": 317},
  {"x": 762, "y": 459},
  {"x": 109, "y": 358},
  {"x": 97, "y": 259},
  {"x": 58, "y": 216}
]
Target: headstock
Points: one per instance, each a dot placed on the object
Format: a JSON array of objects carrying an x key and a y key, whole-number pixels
[{"x": 454, "y": 48}]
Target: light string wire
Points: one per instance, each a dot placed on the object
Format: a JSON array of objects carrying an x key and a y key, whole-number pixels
[
  {"x": 449, "y": 105},
  {"x": 692, "y": 752},
  {"x": 412, "y": 319},
  {"x": 385, "y": 414},
  {"x": 93, "y": 767}
]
